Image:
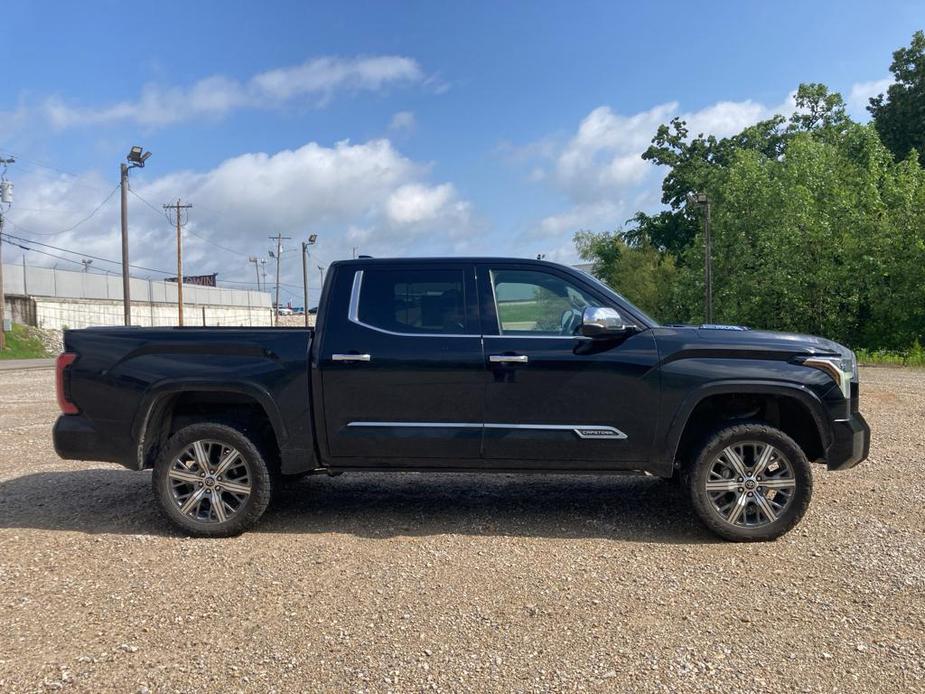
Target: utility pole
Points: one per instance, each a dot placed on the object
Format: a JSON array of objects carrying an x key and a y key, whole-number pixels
[
  {"x": 137, "y": 158},
  {"x": 6, "y": 198},
  {"x": 354, "y": 252},
  {"x": 306, "y": 259},
  {"x": 321, "y": 275},
  {"x": 703, "y": 200},
  {"x": 279, "y": 251},
  {"x": 176, "y": 208}
]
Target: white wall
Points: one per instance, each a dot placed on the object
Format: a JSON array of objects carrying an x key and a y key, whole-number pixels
[
  {"x": 82, "y": 299},
  {"x": 59, "y": 313}
]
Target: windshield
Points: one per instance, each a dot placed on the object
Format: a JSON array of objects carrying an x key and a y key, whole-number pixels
[{"x": 645, "y": 316}]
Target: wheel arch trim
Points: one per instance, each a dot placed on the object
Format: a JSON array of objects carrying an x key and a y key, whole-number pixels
[
  {"x": 806, "y": 397},
  {"x": 160, "y": 394}
]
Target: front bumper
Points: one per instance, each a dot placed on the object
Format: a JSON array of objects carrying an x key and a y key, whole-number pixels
[{"x": 850, "y": 442}]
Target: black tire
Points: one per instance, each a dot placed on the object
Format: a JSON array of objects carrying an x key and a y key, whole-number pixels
[
  {"x": 258, "y": 476},
  {"x": 795, "y": 503}
]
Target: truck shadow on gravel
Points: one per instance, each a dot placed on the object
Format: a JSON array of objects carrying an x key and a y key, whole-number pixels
[{"x": 379, "y": 505}]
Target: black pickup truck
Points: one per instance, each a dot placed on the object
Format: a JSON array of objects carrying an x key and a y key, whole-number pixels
[{"x": 468, "y": 364}]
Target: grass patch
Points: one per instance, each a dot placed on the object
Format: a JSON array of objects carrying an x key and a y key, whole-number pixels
[
  {"x": 911, "y": 357},
  {"x": 22, "y": 344}
]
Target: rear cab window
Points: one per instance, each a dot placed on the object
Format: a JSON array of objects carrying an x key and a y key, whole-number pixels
[{"x": 413, "y": 301}]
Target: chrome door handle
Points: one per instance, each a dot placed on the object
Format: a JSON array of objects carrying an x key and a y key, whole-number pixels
[
  {"x": 350, "y": 357},
  {"x": 508, "y": 358}
]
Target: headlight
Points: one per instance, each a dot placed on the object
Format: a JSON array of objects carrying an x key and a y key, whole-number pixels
[{"x": 843, "y": 369}]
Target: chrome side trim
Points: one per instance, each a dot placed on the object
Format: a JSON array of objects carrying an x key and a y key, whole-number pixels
[
  {"x": 537, "y": 337},
  {"x": 350, "y": 357},
  {"x": 419, "y": 425},
  {"x": 508, "y": 358},
  {"x": 583, "y": 431},
  {"x": 353, "y": 314}
]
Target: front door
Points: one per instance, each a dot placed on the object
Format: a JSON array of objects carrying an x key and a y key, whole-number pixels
[
  {"x": 556, "y": 399},
  {"x": 402, "y": 370}
]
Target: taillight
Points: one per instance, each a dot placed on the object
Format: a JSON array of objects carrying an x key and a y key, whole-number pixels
[{"x": 64, "y": 361}]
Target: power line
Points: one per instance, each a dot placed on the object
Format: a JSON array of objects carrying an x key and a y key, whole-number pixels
[
  {"x": 40, "y": 165},
  {"x": 84, "y": 255},
  {"x": 9, "y": 236},
  {"x": 51, "y": 255},
  {"x": 190, "y": 231},
  {"x": 73, "y": 226}
]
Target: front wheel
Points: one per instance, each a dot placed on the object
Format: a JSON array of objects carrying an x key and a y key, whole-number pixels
[
  {"x": 211, "y": 480},
  {"x": 750, "y": 482}
]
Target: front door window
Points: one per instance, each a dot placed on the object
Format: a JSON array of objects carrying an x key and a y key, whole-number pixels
[{"x": 532, "y": 303}]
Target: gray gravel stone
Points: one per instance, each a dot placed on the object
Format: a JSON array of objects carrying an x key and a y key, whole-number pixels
[{"x": 410, "y": 582}]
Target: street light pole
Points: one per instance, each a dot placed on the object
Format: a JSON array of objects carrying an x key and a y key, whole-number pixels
[
  {"x": 253, "y": 259},
  {"x": 279, "y": 238},
  {"x": 703, "y": 200},
  {"x": 126, "y": 282},
  {"x": 708, "y": 260},
  {"x": 137, "y": 158},
  {"x": 306, "y": 259}
]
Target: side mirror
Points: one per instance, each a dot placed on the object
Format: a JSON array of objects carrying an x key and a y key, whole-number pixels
[{"x": 602, "y": 321}]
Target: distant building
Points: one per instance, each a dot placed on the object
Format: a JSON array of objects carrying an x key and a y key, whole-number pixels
[{"x": 201, "y": 280}]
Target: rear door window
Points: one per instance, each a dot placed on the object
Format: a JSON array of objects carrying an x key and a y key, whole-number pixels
[{"x": 422, "y": 301}]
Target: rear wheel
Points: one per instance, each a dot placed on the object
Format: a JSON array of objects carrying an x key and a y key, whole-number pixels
[
  {"x": 211, "y": 480},
  {"x": 750, "y": 482}
]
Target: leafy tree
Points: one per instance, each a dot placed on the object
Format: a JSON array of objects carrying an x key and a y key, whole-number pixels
[
  {"x": 695, "y": 163},
  {"x": 900, "y": 114},
  {"x": 816, "y": 229},
  {"x": 639, "y": 271}
]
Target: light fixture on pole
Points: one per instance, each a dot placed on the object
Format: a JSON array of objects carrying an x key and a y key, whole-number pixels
[{"x": 136, "y": 160}]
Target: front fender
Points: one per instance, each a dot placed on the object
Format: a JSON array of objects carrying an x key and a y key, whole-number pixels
[{"x": 805, "y": 395}]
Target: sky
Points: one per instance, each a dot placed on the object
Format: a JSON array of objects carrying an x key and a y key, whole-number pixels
[{"x": 388, "y": 128}]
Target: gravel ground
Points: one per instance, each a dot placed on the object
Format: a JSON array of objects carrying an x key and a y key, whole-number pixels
[{"x": 411, "y": 582}]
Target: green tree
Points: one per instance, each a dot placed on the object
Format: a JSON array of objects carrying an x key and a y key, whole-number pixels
[
  {"x": 816, "y": 229},
  {"x": 639, "y": 271},
  {"x": 828, "y": 239},
  {"x": 900, "y": 114},
  {"x": 695, "y": 163}
]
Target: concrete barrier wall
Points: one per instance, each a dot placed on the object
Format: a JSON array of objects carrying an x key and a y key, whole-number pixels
[
  {"x": 83, "y": 313},
  {"x": 63, "y": 298}
]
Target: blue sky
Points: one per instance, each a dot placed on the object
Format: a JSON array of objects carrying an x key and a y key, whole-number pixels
[{"x": 398, "y": 128}]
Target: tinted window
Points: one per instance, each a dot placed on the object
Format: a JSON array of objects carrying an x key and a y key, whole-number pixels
[
  {"x": 414, "y": 301},
  {"x": 531, "y": 302}
]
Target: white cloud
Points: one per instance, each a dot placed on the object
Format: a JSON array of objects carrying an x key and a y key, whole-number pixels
[
  {"x": 403, "y": 121},
  {"x": 367, "y": 195},
  {"x": 414, "y": 203},
  {"x": 316, "y": 80},
  {"x": 861, "y": 93},
  {"x": 600, "y": 171}
]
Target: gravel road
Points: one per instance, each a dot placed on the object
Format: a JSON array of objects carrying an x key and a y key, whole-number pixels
[{"x": 409, "y": 582}]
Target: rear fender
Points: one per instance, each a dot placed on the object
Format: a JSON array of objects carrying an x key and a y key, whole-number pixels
[{"x": 160, "y": 393}]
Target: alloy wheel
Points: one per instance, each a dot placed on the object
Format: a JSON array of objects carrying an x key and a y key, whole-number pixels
[
  {"x": 210, "y": 481},
  {"x": 750, "y": 484}
]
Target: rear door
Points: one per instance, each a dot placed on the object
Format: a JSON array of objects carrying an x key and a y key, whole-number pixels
[
  {"x": 554, "y": 398},
  {"x": 401, "y": 364}
]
